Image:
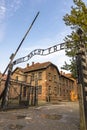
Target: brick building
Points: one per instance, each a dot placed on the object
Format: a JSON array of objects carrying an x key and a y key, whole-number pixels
[
  {"x": 68, "y": 87},
  {"x": 2, "y": 82},
  {"x": 52, "y": 85}
]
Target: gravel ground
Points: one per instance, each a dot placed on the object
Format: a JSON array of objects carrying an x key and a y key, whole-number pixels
[{"x": 61, "y": 116}]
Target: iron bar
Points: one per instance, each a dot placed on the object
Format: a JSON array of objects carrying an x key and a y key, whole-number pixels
[{"x": 13, "y": 55}]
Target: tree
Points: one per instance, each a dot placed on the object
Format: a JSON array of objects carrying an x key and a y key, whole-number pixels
[{"x": 76, "y": 19}]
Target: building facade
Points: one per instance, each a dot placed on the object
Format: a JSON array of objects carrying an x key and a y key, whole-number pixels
[
  {"x": 67, "y": 86},
  {"x": 52, "y": 85}
]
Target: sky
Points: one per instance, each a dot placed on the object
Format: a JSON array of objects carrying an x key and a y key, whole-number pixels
[{"x": 49, "y": 29}]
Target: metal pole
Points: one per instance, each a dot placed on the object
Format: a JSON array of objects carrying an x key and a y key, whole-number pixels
[
  {"x": 4, "y": 102},
  {"x": 4, "y": 94},
  {"x": 13, "y": 55}
]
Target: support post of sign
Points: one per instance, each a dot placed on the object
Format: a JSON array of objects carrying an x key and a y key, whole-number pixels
[
  {"x": 82, "y": 81},
  {"x": 4, "y": 102}
]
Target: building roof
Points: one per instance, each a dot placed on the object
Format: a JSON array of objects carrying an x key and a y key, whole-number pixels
[
  {"x": 35, "y": 67},
  {"x": 39, "y": 66},
  {"x": 68, "y": 76},
  {"x": 3, "y": 77},
  {"x": 18, "y": 68}
]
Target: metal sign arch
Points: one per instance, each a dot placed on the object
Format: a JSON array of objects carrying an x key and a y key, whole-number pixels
[{"x": 42, "y": 52}]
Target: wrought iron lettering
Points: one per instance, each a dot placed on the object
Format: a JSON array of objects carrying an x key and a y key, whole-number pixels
[
  {"x": 43, "y": 52},
  {"x": 35, "y": 52},
  {"x": 62, "y": 46},
  {"x": 31, "y": 54},
  {"x": 49, "y": 50},
  {"x": 55, "y": 48}
]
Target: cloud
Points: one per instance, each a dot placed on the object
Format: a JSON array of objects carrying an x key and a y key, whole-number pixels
[
  {"x": 7, "y": 9},
  {"x": 12, "y": 5},
  {"x": 2, "y": 10}
]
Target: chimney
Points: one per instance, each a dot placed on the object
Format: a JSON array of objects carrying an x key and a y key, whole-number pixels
[
  {"x": 61, "y": 72},
  {"x": 32, "y": 63},
  {"x": 27, "y": 65}
]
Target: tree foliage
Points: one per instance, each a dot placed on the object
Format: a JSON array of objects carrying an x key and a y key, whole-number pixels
[{"x": 76, "y": 19}]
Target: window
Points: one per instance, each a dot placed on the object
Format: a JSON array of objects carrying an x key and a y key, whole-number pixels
[
  {"x": 49, "y": 77},
  {"x": 40, "y": 75},
  {"x": 24, "y": 91},
  {"x": 40, "y": 89},
  {"x": 32, "y": 76},
  {"x": 55, "y": 78},
  {"x": 49, "y": 90},
  {"x": 17, "y": 78},
  {"x": 25, "y": 78},
  {"x": 60, "y": 92}
]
